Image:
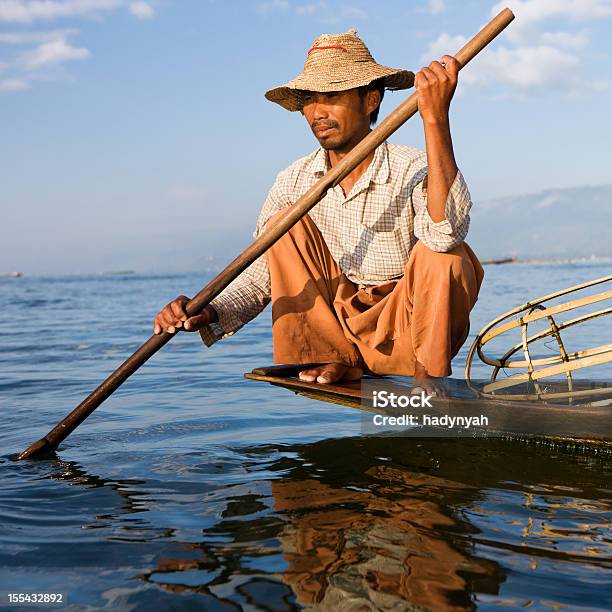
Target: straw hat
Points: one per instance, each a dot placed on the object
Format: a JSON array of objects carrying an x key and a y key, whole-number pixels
[{"x": 337, "y": 62}]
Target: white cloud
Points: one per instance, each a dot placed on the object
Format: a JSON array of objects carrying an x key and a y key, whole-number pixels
[
  {"x": 350, "y": 12},
  {"x": 142, "y": 10},
  {"x": 27, "y": 38},
  {"x": 53, "y": 52},
  {"x": 528, "y": 59},
  {"x": 274, "y": 5},
  {"x": 28, "y": 11},
  {"x": 445, "y": 43},
  {"x": 10, "y": 85},
  {"x": 310, "y": 9},
  {"x": 321, "y": 10},
  {"x": 436, "y": 7},
  {"x": 521, "y": 68},
  {"x": 532, "y": 67},
  {"x": 46, "y": 51},
  {"x": 534, "y": 11},
  {"x": 531, "y": 14},
  {"x": 40, "y": 62},
  {"x": 577, "y": 40}
]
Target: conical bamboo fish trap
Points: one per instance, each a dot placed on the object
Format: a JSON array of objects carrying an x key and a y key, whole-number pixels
[{"x": 538, "y": 370}]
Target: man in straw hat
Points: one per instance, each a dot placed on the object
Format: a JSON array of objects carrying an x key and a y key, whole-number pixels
[{"x": 377, "y": 276}]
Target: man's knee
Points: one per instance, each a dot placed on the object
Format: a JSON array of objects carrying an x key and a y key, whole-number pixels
[
  {"x": 300, "y": 237},
  {"x": 434, "y": 262},
  {"x": 271, "y": 222}
]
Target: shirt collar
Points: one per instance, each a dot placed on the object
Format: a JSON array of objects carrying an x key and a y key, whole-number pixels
[{"x": 377, "y": 171}]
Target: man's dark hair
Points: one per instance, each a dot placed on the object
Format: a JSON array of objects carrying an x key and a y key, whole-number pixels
[{"x": 377, "y": 85}]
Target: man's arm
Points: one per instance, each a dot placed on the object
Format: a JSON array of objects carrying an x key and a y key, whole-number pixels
[
  {"x": 436, "y": 85},
  {"x": 173, "y": 317},
  {"x": 239, "y": 302},
  {"x": 236, "y": 305}
]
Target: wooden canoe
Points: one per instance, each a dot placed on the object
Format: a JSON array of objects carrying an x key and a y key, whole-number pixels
[{"x": 586, "y": 423}]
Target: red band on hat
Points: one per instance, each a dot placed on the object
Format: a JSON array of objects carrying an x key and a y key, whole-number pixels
[{"x": 330, "y": 47}]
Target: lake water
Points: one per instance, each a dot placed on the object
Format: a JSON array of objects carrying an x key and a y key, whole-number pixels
[{"x": 192, "y": 488}]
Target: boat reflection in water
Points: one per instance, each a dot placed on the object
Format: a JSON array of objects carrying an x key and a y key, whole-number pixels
[
  {"x": 379, "y": 548},
  {"x": 392, "y": 524}
]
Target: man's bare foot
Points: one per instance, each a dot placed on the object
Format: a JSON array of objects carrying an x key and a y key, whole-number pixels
[
  {"x": 432, "y": 385},
  {"x": 331, "y": 373}
]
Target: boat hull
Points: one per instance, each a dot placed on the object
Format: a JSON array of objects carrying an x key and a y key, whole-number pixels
[{"x": 588, "y": 423}]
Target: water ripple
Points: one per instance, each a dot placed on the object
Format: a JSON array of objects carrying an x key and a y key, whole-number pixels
[{"x": 191, "y": 488}]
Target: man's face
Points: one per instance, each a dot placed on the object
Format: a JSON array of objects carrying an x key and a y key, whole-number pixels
[{"x": 339, "y": 120}]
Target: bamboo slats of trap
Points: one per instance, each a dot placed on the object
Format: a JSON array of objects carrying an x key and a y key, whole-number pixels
[{"x": 534, "y": 370}]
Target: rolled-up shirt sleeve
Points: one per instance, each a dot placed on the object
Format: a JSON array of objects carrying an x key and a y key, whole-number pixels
[
  {"x": 247, "y": 295},
  {"x": 445, "y": 235}
]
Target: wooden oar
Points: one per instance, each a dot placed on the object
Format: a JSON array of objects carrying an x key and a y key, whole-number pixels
[{"x": 294, "y": 213}]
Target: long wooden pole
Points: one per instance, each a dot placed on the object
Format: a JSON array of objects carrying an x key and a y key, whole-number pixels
[{"x": 294, "y": 213}]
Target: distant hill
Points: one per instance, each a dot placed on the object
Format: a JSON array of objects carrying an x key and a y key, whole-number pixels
[
  {"x": 556, "y": 223},
  {"x": 552, "y": 224}
]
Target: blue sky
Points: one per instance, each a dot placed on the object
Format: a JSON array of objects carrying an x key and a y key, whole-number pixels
[{"x": 136, "y": 134}]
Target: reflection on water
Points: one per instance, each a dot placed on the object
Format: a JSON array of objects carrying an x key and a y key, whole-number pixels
[
  {"x": 347, "y": 524},
  {"x": 191, "y": 488},
  {"x": 380, "y": 547}
]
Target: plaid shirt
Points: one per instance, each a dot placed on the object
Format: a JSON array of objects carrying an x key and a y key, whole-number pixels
[{"x": 370, "y": 232}]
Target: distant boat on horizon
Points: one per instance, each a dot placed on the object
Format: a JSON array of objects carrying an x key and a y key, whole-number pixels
[
  {"x": 503, "y": 260},
  {"x": 11, "y": 274}
]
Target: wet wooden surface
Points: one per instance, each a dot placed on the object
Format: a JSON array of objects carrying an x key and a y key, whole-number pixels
[{"x": 589, "y": 423}]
